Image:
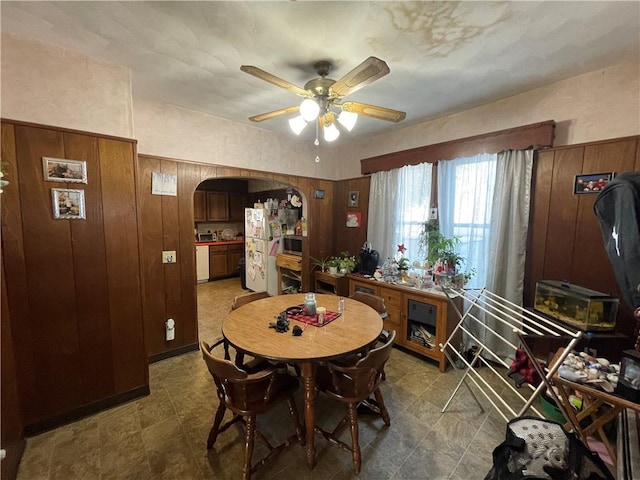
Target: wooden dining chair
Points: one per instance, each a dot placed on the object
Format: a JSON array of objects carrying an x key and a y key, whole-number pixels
[
  {"x": 239, "y": 301},
  {"x": 377, "y": 303},
  {"x": 353, "y": 385},
  {"x": 248, "y": 395}
]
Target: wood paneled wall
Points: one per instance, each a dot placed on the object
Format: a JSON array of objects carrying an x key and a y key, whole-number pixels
[
  {"x": 346, "y": 238},
  {"x": 565, "y": 242},
  {"x": 74, "y": 294},
  {"x": 166, "y": 223}
]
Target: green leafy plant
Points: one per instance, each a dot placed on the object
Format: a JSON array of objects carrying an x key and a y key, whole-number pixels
[
  {"x": 321, "y": 263},
  {"x": 437, "y": 247},
  {"x": 344, "y": 261},
  {"x": 403, "y": 263}
]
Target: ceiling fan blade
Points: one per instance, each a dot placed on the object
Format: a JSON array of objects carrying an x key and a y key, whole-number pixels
[
  {"x": 277, "y": 81},
  {"x": 367, "y": 72},
  {"x": 381, "y": 113},
  {"x": 275, "y": 113}
]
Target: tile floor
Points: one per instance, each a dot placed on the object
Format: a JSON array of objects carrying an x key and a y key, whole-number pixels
[{"x": 163, "y": 436}]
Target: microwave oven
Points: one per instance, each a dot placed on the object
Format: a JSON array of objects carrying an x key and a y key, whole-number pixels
[{"x": 292, "y": 244}]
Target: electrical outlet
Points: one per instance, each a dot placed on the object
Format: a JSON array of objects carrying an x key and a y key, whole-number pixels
[
  {"x": 169, "y": 256},
  {"x": 433, "y": 214}
]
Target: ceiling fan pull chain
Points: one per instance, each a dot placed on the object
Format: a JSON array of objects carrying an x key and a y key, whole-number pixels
[{"x": 317, "y": 142}]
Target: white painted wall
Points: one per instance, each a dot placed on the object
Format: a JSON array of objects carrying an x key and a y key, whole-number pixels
[
  {"x": 175, "y": 132},
  {"x": 596, "y": 106},
  {"x": 52, "y": 86}
]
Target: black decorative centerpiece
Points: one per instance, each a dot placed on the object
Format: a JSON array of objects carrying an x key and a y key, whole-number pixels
[{"x": 369, "y": 259}]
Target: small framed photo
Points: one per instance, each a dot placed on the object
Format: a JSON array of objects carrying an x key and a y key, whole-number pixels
[
  {"x": 354, "y": 219},
  {"x": 318, "y": 193},
  {"x": 68, "y": 204},
  {"x": 62, "y": 170},
  {"x": 353, "y": 198},
  {"x": 591, "y": 183}
]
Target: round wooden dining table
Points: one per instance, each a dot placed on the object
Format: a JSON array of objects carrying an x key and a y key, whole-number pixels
[{"x": 247, "y": 330}]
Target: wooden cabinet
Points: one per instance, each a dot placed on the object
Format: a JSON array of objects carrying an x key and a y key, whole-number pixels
[
  {"x": 289, "y": 273},
  {"x": 235, "y": 253},
  {"x": 393, "y": 304},
  {"x": 200, "y": 206},
  {"x": 331, "y": 284},
  {"x": 237, "y": 203},
  {"x": 224, "y": 259},
  {"x": 210, "y": 206},
  {"x": 422, "y": 319},
  {"x": 217, "y": 206},
  {"x": 218, "y": 261}
]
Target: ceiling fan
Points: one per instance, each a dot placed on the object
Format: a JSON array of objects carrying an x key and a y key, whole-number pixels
[{"x": 323, "y": 98}]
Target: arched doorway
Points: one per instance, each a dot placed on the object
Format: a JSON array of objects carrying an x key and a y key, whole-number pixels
[{"x": 226, "y": 256}]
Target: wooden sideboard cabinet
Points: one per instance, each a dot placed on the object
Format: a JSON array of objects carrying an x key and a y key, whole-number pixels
[
  {"x": 422, "y": 319},
  {"x": 331, "y": 284},
  {"x": 289, "y": 273}
]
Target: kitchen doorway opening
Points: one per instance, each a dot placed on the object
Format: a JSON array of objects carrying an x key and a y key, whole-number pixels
[{"x": 227, "y": 255}]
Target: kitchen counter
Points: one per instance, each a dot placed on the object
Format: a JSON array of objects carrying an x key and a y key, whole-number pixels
[{"x": 223, "y": 242}]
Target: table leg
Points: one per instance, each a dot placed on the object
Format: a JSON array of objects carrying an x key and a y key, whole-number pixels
[{"x": 308, "y": 373}]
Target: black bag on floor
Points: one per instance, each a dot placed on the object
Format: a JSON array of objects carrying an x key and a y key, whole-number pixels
[{"x": 541, "y": 449}]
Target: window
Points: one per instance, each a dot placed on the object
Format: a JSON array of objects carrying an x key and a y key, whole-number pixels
[{"x": 465, "y": 193}]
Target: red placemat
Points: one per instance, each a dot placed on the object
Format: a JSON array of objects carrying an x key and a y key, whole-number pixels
[{"x": 313, "y": 319}]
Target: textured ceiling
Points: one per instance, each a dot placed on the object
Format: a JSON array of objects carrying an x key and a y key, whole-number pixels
[{"x": 444, "y": 57}]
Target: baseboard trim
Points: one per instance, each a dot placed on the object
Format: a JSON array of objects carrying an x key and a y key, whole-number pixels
[
  {"x": 173, "y": 353},
  {"x": 84, "y": 411}
]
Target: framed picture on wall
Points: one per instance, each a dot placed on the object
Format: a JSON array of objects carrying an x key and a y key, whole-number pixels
[
  {"x": 353, "y": 198},
  {"x": 68, "y": 204},
  {"x": 354, "y": 219},
  {"x": 591, "y": 182},
  {"x": 318, "y": 193},
  {"x": 62, "y": 170}
]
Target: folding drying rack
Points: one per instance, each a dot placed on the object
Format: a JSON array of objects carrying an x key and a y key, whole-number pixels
[{"x": 483, "y": 304}]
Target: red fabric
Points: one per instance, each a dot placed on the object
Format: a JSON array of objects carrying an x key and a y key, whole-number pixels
[
  {"x": 523, "y": 366},
  {"x": 313, "y": 319}
]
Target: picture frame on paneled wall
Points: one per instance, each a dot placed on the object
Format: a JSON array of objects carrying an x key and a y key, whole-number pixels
[
  {"x": 68, "y": 204},
  {"x": 63, "y": 170},
  {"x": 354, "y": 219},
  {"x": 353, "y": 198},
  {"x": 591, "y": 182}
]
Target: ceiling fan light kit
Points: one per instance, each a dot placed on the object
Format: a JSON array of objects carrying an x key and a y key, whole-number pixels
[{"x": 322, "y": 96}]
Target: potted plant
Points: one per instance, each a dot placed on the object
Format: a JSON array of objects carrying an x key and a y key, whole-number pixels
[
  {"x": 441, "y": 252},
  {"x": 344, "y": 263},
  {"x": 321, "y": 263},
  {"x": 333, "y": 264}
]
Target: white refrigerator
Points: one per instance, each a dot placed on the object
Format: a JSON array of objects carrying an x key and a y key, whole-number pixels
[{"x": 263, "y": 242}]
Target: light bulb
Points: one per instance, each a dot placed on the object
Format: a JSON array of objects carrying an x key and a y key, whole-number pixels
[
  {"x": 331, "y": 132},
  {"x": 309, "y": 109},
  {"x": 317, "y": 158},
  {"x": 348, "y": 119},
  {"x": 297, "y": 124}
]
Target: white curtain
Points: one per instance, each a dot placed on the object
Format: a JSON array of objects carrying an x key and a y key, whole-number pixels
[
  {"x": 398, "y": 205},
  {"x": 485, "y": 201},
  {"x": 508, "y": 233},
  {"x": 465, "y": 189}
]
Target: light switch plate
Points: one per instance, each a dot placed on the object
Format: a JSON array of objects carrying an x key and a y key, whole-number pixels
[{"x": 169, "y": 256}]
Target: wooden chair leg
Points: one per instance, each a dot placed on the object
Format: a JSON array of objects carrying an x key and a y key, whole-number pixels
[
  {"x": 293, "y": 411},
  {"x": 215, "y": 429},
  {"x": 239, "y": 359},
  {"x": 355, "y": 443},
  {"x": 383, "y": 409},
  {"x": 249, "y": 439}
]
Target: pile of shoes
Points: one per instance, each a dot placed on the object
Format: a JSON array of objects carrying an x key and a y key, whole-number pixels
[{"x": 583, "y": 368}]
